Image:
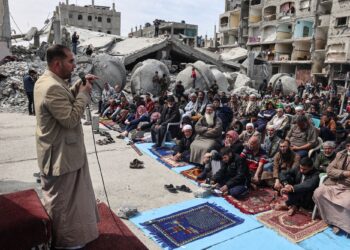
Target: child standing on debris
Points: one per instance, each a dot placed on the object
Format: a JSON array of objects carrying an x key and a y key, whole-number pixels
[
  {"x": 75, "y": 39},
  {"x": 194, "y": 77}
]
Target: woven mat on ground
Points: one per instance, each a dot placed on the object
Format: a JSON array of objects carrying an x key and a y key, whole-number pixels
[
  {"x": 108, "y": 123},
  {"x": 114, "y": 234},
  {"x": 24, "y": 223},
  {"x": 184, "y": 226},
  {"x": 296, "y": 228},
  {"x": 192, "y": 173},
  {"x": 257, "y": 201},
  {"x": 164, "y": 155}
]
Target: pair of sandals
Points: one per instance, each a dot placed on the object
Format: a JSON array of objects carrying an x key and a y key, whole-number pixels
[
  {"x": 120, "y": 136},
  {"x": 136, "y": 164},
  {"x": 173, "y": 189},
  {"x": 105, "y": 141},
  {"x": 105, "y": 133}
]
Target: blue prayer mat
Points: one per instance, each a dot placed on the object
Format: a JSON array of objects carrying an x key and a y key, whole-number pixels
[
  {"x": 184, "y": 226},
  {"x": 162, "y": 151}
]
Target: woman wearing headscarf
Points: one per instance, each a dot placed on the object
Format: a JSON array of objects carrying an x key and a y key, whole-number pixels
[{"x": 133, "y": 120}]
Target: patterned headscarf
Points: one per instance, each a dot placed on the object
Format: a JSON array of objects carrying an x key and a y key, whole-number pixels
[{"x": 233, "y": 134}]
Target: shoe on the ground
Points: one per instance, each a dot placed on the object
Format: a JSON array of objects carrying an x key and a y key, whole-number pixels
[
  {"x": 170, "y": 188},
  {"x": 184, "y": 188},
  {"x": 36, "y": 175}
]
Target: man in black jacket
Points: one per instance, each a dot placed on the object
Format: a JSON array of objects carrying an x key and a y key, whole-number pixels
[
  {"x": 170, "y": 114},
  {"x": 299, "y": 185},
  {"x": 233, "y": 177}
]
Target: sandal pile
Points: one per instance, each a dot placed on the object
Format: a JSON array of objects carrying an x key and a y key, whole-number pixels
[
  {"x": 173, "y": 189},
  {"x": 106, "y": 140}
]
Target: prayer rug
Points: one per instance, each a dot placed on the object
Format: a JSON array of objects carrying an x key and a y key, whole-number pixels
[
  {"x": 179, "y": 228},
  {"x": 113, "y": 233},
  {"x": 296, "y": 228},
  {"x": 164, "y": 155},
  {"x": 24, "y": 223},
  {"x": 257, "y": 201},
  {"x": 192, "y": 173},
  {"x": 108, "y": 123}
]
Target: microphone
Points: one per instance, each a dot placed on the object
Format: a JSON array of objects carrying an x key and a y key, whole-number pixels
[{"x": 82, "y": 77}]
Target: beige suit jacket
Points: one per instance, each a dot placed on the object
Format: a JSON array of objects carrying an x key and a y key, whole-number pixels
[{"x": 59, "y": 133}]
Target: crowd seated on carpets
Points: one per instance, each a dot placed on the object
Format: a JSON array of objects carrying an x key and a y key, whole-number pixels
[{"x": 286, "y": 142}]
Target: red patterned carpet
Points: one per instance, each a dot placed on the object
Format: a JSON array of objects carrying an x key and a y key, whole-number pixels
[
  {"x": 114, "y": 234},
  {"x": 192, "y": 173},
  {"x": 296, "y": 228},
  {"x": 24, "y": 223},
  {"x": 257, "y": 201}
]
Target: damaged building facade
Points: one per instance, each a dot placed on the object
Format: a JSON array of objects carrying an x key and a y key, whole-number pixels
[
  {"x": 180, "y": 30},
  {"x": 91, "y": 17},
  {"x": 307, "y": 38},
  {"x": 5, "y": 29}
]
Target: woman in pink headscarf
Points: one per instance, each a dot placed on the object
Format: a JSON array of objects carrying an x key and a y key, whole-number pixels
[
  {"x": 231, "y": 140},
  {"x": 133, "y": 120}
]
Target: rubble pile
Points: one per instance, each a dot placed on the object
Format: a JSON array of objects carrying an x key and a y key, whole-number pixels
[{"x": 12, "y": 95}]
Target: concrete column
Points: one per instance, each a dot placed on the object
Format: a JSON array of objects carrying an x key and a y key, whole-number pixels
[
  {"x": 141, "y": 31},
  {"x": 93, "y": 3},
  {"x": 215, "y": 37},
  {"x": 113, "y": 6},
  {"x": 56, "y": 26},
  {"x": 67, "y": 2},
  {"x": 5, "y": 29},
  {"x": 36, "y": 40}
]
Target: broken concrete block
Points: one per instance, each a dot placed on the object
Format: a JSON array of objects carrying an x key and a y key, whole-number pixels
[
  {"x": 142, "y": 76},
  {"x": 289, "y": 83},
  {"x": 205, "y": 77}
]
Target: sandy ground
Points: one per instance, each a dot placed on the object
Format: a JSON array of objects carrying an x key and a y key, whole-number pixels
[{"x": 143, "y": 188}]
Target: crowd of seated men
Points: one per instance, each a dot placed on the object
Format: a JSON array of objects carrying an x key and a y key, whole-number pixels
[{"x": 241, "y": 143}]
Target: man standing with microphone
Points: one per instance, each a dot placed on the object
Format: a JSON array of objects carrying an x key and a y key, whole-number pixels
[{"x": 66, "y": 184}]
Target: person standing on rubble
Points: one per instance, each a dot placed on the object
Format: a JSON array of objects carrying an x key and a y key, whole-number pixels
[
  {"x": 75, "y": 40},
  {"x": 29, "y": 81},
  {"x": 194, "y": 77},
  {"x": 67, "y": 189}
]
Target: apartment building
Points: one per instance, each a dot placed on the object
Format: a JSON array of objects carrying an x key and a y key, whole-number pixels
[
  {"x": 92, "y": 17},
  {"x": 5, "y": 29},
  {"x": 305, "y": 38}
]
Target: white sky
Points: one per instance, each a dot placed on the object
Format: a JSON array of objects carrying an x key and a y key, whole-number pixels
[{"x": 204, "y": 13}]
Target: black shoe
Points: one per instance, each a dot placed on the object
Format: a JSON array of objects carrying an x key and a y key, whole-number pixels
[{"x": 37, "y": 175}]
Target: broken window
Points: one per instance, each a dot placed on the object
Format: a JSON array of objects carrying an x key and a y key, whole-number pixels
[
  {"x": 80, "y": 17},
  {"x": 90, "y": 18},
  {"x": 70, "y": 15},
  {"x": 305, "y": 4},
  {"x": 341, "y": 21},
  {"x": 108, "y": 32},
  {"x": 99, "y": 19},
  {"x": 306, "y": 31},
  {"x": 108, "y": 20}
]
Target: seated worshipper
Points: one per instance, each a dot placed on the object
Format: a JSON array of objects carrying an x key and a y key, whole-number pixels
[
  {"x": 284, "y": 160},
  {"x": 314, "y": 112},
  {"x": 122, "y": 110},
  {"x": 223, "y": 112},
  {"x": 179, "y": 90},
  {"x": 328, "y": 127},
  {"x": 182, "y": 149},
  {"x": 302, "y": 136},
  {"x": 289, "y": 110},
  {"x": 170, "y": 114},
  {"x": 299, "y": 110},
  {"x": 280, "y": 121},
  {"x": 134, "y": 119},
  {"x": 208, "y": 130},
  {"x": 265, "y": 116},
  {"x": 325, "y": 157},
  {"x": 110, "y": 109},
  {"x": 107, "y": 94},
  {"x": 232, "y": 141},
  {"x": 234, "y": 104},
  {"x": 340, "y": 139},
  {"x": 249, "y": 109},
  {"x": 248, "y": 133},
  {"x": 212, "y": 164},
  {"x": 149, "y": 103},
  {"x": 233, "y": 177},
  {"x": 300, "y": 185},
  {"x": 332, "y": 197},
  {"x": 237, "y": 126},
  {"x": 270, "y": 146},
  {"x": 118, "y": 92},
  {"x": 189, "y": 108},
  {"x": 255, "y": 158},
  {"x": 199, "y": 106}
]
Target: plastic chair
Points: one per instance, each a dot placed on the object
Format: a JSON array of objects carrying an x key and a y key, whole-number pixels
[
  {"x": 317, "y": 148},
  {"x": 322, "y": 179},
  {"x": 171, "y": 124}
]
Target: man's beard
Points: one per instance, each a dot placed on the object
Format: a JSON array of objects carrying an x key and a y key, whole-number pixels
[{"x": 210, "y": 119}]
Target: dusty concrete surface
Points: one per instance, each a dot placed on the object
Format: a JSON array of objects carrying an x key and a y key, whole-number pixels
[{"x": 142, "y": 188}]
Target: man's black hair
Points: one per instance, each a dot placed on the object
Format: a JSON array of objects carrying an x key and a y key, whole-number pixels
[
  {"x": 307, "y": 162},
  {"x": 56, "y": 51},
  {"x": 226, "y": 151}
]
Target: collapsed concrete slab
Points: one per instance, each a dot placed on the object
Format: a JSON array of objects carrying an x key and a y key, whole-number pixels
[
  {"x": 234, "y": 54},
  {"x": 221, "y": 79},
  {"x": 289, "y": 83},
  {"x": 109, "y": 69},
  {"x": 205, "y": 77},
  {"x": 30, "y": 34},
  {"x": 238, "y": 80},
  {"x": 245, "y": 90},
  {"x": 142, "y": 76}
]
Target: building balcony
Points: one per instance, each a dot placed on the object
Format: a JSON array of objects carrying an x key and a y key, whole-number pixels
[
  {"x": 256, "y": 3},
  {"x": 253, "y": 39},
  {"x": 227, "y": 28},
  {"x": 269, "y": 18}
]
